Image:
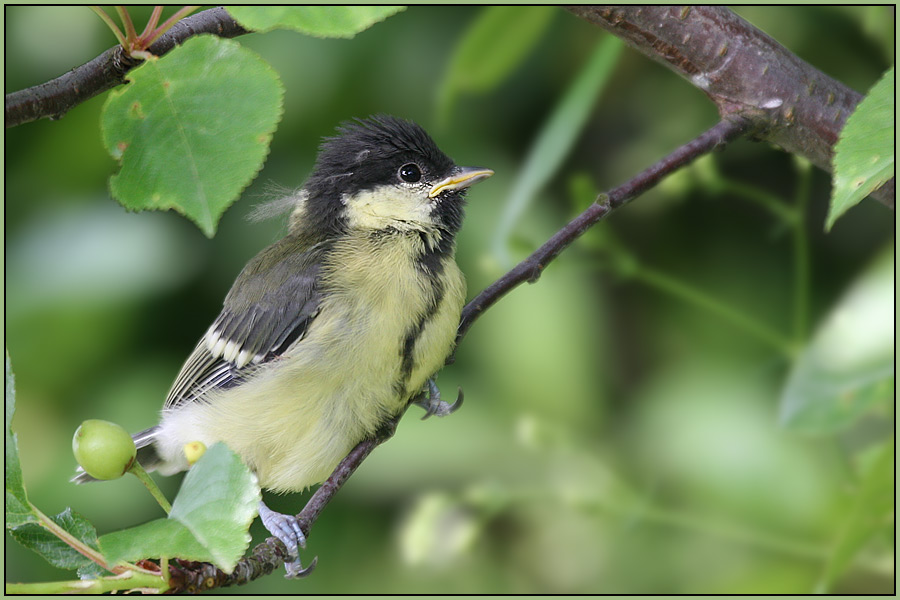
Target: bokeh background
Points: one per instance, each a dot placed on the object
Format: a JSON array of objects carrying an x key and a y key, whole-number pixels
[{"x": 619, "y": 435}]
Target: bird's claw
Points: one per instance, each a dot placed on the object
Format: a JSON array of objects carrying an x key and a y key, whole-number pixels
[
  {"x": 433, "y": 404},
  {"x": 287, "y": 529},
  {"x": 295, "y": 570}
]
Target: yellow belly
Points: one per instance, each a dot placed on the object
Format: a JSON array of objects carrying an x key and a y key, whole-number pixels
[{"x": 295, "y": 419}]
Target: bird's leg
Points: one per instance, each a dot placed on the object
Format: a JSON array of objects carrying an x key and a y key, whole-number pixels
[
  {"x": 430, "y": 400},
  {"x": 287, "y": 529}
]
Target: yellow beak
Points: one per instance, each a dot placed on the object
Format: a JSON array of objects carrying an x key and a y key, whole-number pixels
[{"x": 463, "y": 177}]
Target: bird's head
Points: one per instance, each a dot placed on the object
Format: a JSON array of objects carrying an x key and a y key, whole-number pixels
[{"x": 386, "y": 173}]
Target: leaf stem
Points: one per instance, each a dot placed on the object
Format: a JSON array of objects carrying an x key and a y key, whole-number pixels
[
  {"x": 76, "y": 544},
  {"x": 138, "y": 471},
  {"x": 152, "y": 21},
  {"x": 746, "y": 535},
  {"x": 770, "y": 202},
  {"x": 110, "y": 23},
  {"x": 183, "y": 12},
  {"x": 692, "y": 295},
  {"x": 129, "y": 580},
  {"x": 130, "y": 33},
  {"x": 801, "y": 254}
]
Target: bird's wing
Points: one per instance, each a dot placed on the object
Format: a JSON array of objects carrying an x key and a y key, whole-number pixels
[{"x": 270, "y": 306}]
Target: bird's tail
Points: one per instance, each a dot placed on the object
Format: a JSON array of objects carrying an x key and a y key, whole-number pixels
[{"x": 146, "y": 454}]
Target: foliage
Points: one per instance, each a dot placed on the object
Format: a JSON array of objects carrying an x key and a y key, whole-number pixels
[
  {"x": 18, "y": 509},
  {"x": 318, "y": 21},
  {"x": 872, "y": 514},
  {"x": 54, "y": 550},
  {"x": 208, "y": 521},
  {"x": 492, "y": 48},
  {"x": 847, "y": 369},
  {"x": 555, "y": 139},
  {"x": 864, "y": 156},
  {"x": 185, "y": 143},
  {"x": 186, "y": 140}
]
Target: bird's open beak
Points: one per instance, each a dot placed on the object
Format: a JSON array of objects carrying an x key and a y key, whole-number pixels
[{"x": 462, "y": 178}]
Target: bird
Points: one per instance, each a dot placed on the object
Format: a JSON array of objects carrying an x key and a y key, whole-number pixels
[{"x": 334, "y": 329}]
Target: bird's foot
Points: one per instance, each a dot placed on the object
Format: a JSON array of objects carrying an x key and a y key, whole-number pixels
[
  {"x": 287, "y": 529},
  {"x": 432, "y": 403}
]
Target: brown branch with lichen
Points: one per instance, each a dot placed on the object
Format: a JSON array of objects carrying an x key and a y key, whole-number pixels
[{"x": 744, "y": 71}]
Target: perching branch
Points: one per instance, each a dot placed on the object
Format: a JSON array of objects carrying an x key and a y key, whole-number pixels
[
  {"x": 271, "y": 554},
  {"x": 193, "y": 577},
  {"x": 744, "y": 71},
  {"x": 56, "y": 97}
]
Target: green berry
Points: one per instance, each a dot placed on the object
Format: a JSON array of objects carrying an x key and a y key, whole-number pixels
[{"x": 103, "y": 449}]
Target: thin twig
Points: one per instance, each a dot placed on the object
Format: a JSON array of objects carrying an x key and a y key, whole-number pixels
[
  {"x": 56, "y": 97},
  {"x": 110, "y": 23},
  {"x": 181, "y": 14},
  {"x": 130, "y": 33},
  {"x": 152, "y": 21},
  {"x": 530, "y": 269}
]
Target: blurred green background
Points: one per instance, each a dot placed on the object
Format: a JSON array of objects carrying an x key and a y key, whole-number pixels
[{"x": 621, "y": 432}]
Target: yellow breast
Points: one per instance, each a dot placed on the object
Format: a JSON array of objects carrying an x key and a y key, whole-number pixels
[{"x": 384, "y": 326}]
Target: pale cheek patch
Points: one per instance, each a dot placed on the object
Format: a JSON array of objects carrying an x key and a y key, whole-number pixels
[{"x": 390, "y": 206}]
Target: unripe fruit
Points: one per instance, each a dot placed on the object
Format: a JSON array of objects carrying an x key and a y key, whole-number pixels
[{"x": 103, "y": 449}]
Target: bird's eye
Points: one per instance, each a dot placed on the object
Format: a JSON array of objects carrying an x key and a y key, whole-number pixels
[{"x": 410, "y": 173}]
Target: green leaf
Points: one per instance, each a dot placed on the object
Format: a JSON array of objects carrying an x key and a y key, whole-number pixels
[
  {"x": 873, "y": 511},
  {"x": 557, "y": 137},
  {"x": 18, "y": 509},
  {"x": 864, "y": 154},
  {"x": 318, "y": 21},
  {"x": 848, "y": 367},
  {"x": 192, "y": 128},
  {"x": 209, "y": 520},
  {"x": 54, "y": 550},
  {"x": 491, "y": 49}
]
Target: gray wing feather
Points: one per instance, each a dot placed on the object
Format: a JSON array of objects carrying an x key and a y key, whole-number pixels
[{"x": 269, "y": 308}]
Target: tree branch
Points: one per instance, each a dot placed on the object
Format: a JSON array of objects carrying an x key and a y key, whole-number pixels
[
  {"x": 744, "y": 71},
  {"x": 56, "y": 97}
]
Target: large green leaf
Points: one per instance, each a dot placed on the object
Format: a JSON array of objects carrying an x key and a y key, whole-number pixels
[
  {"x": 864, "y": 154},
  {"x": 848, "y": 366},
  {"x": 319, "y": 21},
  {"x": 192, "y": 128},
  {"x": 54, "y": 550},
  {"x": 492, "y": 47},
  {"x": 557, "y": 137},
  {"x": 873, "y": 511},
  {"x": 18, "y": 509},
  {"x": 209, "y": 519}
]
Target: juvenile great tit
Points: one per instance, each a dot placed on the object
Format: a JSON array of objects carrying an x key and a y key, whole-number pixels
[{"x": 335, "y": 328}]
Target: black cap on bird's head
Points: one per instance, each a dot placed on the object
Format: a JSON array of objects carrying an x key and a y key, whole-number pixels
[
  {"x": 365, "y": 151},
  {"x": 388, "y": 151}
]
